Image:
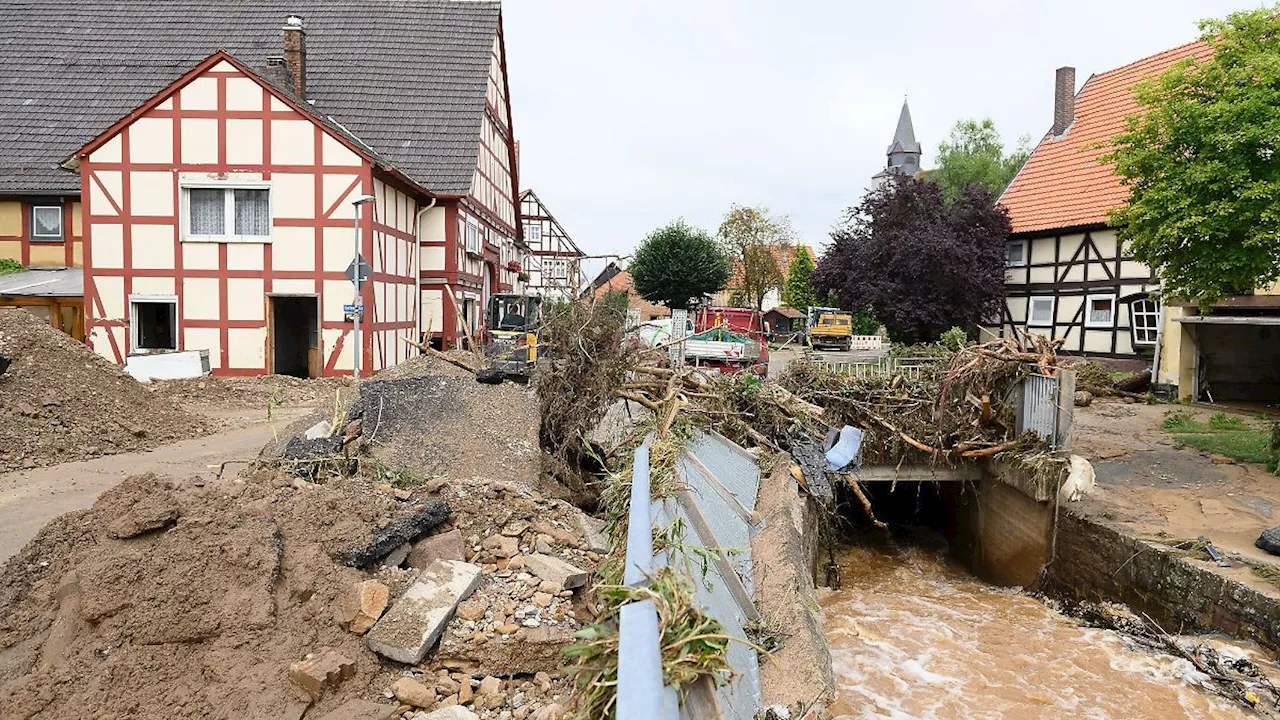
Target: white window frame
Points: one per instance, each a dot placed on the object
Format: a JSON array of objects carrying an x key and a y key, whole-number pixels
[
  {"x": 1026, "y": 247},
  {"x": 134, "y": 300},
  {"x": 1133, "y": 321},
  {"x": 229, "y": 208},
  {"x": 559, "y": 269},
  {"x": 62, "y": 231},
  {"x": 472, "y": 241},
  {"x": 532, "y": 229},
  {"x": 1031, "y": 307},
  {"x": 1089, "y": 322}
]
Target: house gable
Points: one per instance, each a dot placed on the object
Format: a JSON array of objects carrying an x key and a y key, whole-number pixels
[{"x": 222, "y": 127}]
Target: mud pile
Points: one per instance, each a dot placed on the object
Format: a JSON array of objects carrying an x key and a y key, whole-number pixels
[
  {"x": 253, "y": 393},
  {"x": 61, "y": 402},
  {"x": 170, "y": 599},
  {"x": 198, "y": 613}
]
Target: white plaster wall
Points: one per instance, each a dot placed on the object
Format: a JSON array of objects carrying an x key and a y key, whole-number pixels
[
  {"x": 152, "y": 246},
  {"x": 151, "y": 140},
  {"x": 108, "y": 245},
  {"x": 151, "y": 193},
  {"x": 200, "y": 296}
]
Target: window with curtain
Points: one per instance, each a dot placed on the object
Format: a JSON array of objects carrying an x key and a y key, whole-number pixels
[
  {"x": 207, "y": 212},
  {"x": 1040, "y": 312},
  {"x": 46, "y": 222},
  {"x": 1101, "y": 311},
  {"x": 253, "y": 212},
  {"x": 228, "y": 214}
]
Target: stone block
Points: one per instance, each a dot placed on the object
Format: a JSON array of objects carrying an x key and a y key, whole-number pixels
[
  {"x": 441, "y": 546},
  {"x": 361, "y": 606},
  {"x": 361, "y": 710},
  {"x": 593, "y": 533},
  {"x": 556, "y": 570},
  {"x": 416, "y": 621},
  {"x": 501, "y": 545},
  {"x": 411, "y": 692},
  {"x": 326, "y": 670}
]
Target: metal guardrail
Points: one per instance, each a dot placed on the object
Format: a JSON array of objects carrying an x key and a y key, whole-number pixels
[
  {"x": 640, "y": 688},
  {"x": 715, "y": 502}
]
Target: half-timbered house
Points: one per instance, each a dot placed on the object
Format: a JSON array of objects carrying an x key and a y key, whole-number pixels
[
  {"x": 207, "y": 163},
  {"x": 554, "y": 262},
  {"x": 1068, "y": 275}
]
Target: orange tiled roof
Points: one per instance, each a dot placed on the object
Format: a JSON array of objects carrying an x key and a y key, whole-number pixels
[
  {"x": 782, "y": 255},
  {"x": 1062, "y": 184}
]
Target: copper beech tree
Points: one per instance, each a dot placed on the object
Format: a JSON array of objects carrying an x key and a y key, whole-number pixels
[{"x": 920, "y": 264}]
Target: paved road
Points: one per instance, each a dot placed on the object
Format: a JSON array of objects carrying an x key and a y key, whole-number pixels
[{"x": 31, "y": 498}]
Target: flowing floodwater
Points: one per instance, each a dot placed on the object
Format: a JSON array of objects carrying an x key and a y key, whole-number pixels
[{"x": 913, "y": 635}]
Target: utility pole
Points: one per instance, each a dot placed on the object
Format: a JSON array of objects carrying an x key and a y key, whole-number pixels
[{"x": 357, "y": 277}]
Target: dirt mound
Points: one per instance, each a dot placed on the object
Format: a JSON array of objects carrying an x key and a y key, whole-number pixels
[
  {"x": 198, "y": 616},
  {"x": 171, "y": 599},
  {"x": 252, "y": 393},
  {"x": 428, "y": 365},
  {"x": 449, "y": 425},
  {"x": 60, "y": 401}
]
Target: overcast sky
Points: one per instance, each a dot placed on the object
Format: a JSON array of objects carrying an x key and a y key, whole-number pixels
[{"x": 632, "y": 113}]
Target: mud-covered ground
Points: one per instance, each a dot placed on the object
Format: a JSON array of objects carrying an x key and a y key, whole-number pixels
[{"x": 1151, "y": 486}]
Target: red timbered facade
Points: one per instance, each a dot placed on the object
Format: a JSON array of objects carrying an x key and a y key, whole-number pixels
[{"x": 219, "y": 216}]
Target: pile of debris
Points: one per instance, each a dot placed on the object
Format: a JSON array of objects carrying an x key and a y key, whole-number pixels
[
  {"x": 251, "y": 393},
  {"x": 62, "y": 402},
  {"x": 273, "y": 597},
  {"x": 422, "y": 419}
]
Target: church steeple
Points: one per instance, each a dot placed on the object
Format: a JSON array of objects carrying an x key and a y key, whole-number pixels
[{"x": 904, "y": 152}]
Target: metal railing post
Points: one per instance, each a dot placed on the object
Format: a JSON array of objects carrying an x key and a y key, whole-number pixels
[{"x": 640, "y": 687}]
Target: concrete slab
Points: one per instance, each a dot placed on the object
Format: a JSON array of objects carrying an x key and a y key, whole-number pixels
[
  {"x": 416, "y": 621},
  {"x": 556, "y": 570}
]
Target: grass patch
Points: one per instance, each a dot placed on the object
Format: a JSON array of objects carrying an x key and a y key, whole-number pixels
[
  {"x": 9, "y": 266},
  {"x": 1223, "y": 434},
  {"x": 1243, "y": 445}
]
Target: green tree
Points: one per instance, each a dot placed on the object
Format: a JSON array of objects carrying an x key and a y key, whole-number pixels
[
  {"x": 677, "y": 264},
  {"x": 799, "y": 291},
  {"x": 974, "y": 154},
  {"x": 753, "y": 239},
  {"x": 1202, "y": 167}
]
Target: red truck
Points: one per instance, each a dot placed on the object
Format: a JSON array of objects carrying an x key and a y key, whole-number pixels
[{"x": 729, "y": 339}]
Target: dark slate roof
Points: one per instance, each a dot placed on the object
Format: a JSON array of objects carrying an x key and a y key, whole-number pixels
[
  {"x": 904, "y": 136},
  {"x": 405, "y": 77}
]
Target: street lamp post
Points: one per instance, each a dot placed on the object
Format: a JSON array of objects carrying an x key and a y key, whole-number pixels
[{"x": 356, "y": 304}]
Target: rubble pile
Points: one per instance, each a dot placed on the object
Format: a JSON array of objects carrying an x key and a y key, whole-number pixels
[
  {"x": 259, "y": 598},
  {"x": 62, "y": 402},
  {"x": 252, "y": 393}
]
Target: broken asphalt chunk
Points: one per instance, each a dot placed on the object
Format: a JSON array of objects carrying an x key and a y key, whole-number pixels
[{"x": 398, "y": 532}]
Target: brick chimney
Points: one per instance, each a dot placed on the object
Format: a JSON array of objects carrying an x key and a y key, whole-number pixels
[
  {"x": 295, "y": 55},
  {"x": 1064, "y": 100}
]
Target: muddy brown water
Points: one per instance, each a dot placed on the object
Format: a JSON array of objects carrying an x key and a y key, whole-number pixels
[{"x": 914, "y": 635}]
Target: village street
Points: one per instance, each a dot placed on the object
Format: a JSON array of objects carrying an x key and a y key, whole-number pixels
[{"x": 31, "y": 498}]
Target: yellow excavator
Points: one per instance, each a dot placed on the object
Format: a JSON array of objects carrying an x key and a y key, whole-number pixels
[{"x": 511, "y": 338}]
